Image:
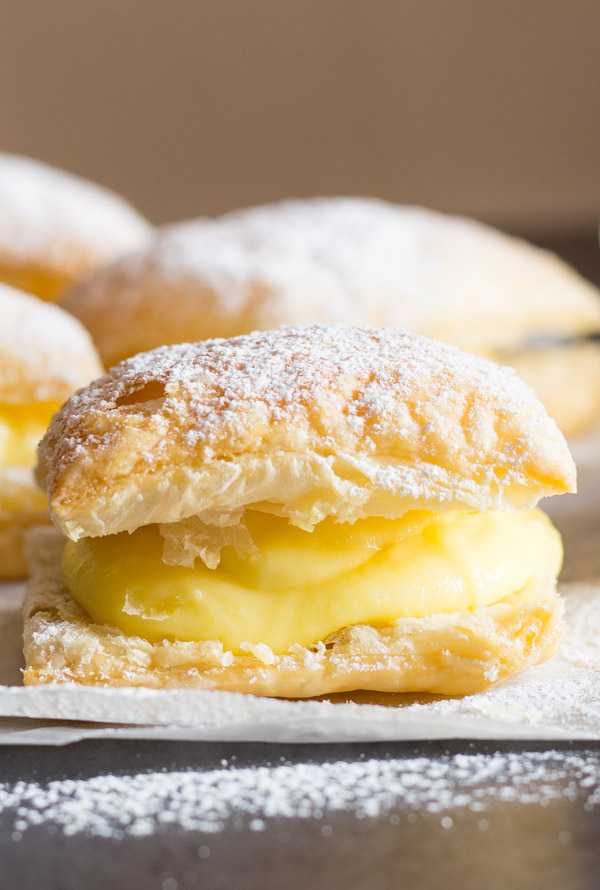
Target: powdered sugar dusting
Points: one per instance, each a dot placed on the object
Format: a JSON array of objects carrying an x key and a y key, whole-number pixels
[
  {"x": 357, "y": 260},
  {"x": 30, "y": 325},
  {"x": 46, "y": 213},
  {"x": 140, "y": 805},
  {"x": 292, "y": 366},
  {"x": 403, "y": 413},
  {"x": 44, "y": 345}
]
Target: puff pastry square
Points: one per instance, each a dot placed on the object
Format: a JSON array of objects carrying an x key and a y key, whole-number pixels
[{"x": 305, "y": 425}]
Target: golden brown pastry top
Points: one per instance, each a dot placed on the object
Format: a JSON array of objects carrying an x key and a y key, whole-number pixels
[
  {"x": 302, "y": 422},
  {"x": 61, "y": 224},
  {"x": 45, "y": 353},
  {"x": 350, "y": 260}
]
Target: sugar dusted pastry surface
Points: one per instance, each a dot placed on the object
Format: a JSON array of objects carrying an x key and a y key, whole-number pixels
[
  {"x": 356, "y": 260},
  {"x": 302, "y": 422},
  {"x": 45, "y": 353},
  {"x": 55, "y": 227}
]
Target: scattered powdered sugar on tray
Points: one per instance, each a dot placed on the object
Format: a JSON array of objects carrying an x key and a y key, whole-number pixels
[{"x": 144, "y": 804}]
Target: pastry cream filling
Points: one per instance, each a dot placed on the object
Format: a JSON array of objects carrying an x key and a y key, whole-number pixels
[
  {"x": 300, "y": 587},
  {"x": 21, "y": 428}
]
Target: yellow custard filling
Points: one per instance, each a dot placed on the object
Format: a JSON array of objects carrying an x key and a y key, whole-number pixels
[
  {"x": 299, "y": 587},
  {"x": 21, "y": 428}
]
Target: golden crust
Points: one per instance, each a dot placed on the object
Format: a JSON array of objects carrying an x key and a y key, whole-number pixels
[
  {"x": 566, "y": 377},
  {"x": 451, "y": 654},
  {"x": 22, "y": 505},
  {"x": 13, "y": 564},
  {"x": 359, "y": 261},
  {"x": 44, "y": 283},
  {"x": 56, "y": 228},
  {"x": 302, "y": 422},
  {"x": 45, "y": 354}
]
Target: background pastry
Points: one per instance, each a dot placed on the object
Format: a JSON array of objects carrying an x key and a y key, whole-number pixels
[
  {"x": 357, "y": 261},
  {"x": 45, "y": 354},
  {"x": 56, "y": 228},
  {"x": 298, "y": 512}
]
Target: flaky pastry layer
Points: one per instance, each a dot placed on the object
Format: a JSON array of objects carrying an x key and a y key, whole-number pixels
[
  {"x": 22, "y": 505},
  {"x": 302, "y": 422},
  {"x": 356, "y": 260},
  {"x": 450, "y": 654}
]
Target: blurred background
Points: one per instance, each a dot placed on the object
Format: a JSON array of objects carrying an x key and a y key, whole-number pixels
[{"x": 192, "y": 107}]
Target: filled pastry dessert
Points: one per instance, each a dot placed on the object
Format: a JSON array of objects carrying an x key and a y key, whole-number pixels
[
  {"x": 45, "y": 354},
  {"x": 295, "y": 513},
  {"x": 358, "y": 261},
  {"x": 56, "y": 228}
]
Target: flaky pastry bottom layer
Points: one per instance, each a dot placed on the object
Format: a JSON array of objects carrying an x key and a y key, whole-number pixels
[{"x": 450, "y": 654}]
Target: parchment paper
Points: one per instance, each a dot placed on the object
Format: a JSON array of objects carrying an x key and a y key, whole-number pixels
[{"x": 558, "y": 700}]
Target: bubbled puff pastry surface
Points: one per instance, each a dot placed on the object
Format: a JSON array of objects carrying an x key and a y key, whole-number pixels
[
  {"x": 302, "y": 422},
  {"x": 356, "y": 260},
  {"x": 45, "y": 353}
]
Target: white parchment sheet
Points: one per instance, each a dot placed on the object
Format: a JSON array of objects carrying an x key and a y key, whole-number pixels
[{"x": 558, "y": 700}]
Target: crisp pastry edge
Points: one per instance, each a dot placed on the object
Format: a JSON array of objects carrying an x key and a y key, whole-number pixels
[{"x": 451, "y": 654}]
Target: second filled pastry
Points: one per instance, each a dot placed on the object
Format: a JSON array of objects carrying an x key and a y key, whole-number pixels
[
  {"x": 358, "y": 261},
  {"x": 45, "y": 355}
]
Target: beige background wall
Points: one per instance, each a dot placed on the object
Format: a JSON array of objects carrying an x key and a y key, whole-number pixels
[{"x": 487, "y": 107}]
